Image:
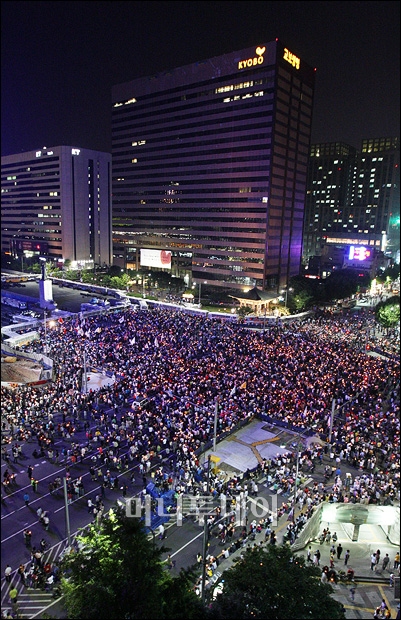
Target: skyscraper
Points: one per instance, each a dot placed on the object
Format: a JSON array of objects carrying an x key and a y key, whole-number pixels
[
  {"x": 209, "y": 168},
  {"x": 56, "y": 202},
  {"x": 353, "y": 197}
]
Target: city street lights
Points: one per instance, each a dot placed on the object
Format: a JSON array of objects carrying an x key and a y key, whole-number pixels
[
  {"x": 205, "y": 535},
  {"x": 286, "y": 290},
  {"x": 298, "y": 443},
  {"x": 45, "y": 325},
  {"x": 200, "y": 289}
]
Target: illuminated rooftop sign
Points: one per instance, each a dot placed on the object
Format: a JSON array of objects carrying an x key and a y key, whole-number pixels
[
  {"x": 252, "y": 62},
  {"x": 291, "y": 58}
]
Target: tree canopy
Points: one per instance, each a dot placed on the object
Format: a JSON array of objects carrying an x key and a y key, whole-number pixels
[
  {"x": 118, "y": 573},
  {"x": 388, "y": 312},
  {"x": 271, "y": 582}
]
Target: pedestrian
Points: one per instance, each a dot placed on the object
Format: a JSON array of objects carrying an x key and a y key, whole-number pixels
[
  {"x": 7, "y": 573},
  {"x": 39, "y": 513},
  {"x": 21, "y": 572},
  {"x": 331, "y": 560},
  {"x": 90, "y": 505},
  {"x": 170, "y": 562},
  {"x": 161, "y": 531},
  {"x": 309, "y": 554},
  {"x": 396, "y": 560},
  {"x": 26, "y": 499},
  {"x": 27, "y": 538},
  {"x": 377, "y": 556},
  {"x": 391, "y": 580},
  {"x": 13, "y": 596},
  {"x": 386, "y": 562},
  {"x": 339, "y": 551},
  {"x": 352, "y": 592},
  {"x": 46, "y": 520},
  {"x": 346, "y": 557},
  {"x": 373, "y": 561}
]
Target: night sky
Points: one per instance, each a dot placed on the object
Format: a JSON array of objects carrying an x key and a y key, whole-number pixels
[{"x": 59, "y": 61}]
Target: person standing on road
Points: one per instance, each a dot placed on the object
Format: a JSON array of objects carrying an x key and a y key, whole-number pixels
[
  {"x": 21, "y": 572},
  {"x": 373, "y": 561},
  {"x": 386, "y": 562},
  {"x": 7, "y": 573},
  {"x": 396, "y": 560},
  {"x": 346, "y": 557},
  {"x": 27, "y": 538},
  {"x": 352, "y": 592},
  {"x": 13, "y": 596},
  {"x": 339, "y": 551},
  {"x": 26, "y": 499}
]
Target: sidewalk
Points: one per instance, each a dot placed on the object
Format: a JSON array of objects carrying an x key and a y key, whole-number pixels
[{"x": 257, "y": 440}]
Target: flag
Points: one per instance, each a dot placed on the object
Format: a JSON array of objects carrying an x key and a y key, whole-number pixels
[
  {"x": 156, "y": 342},
  {"x": 291, "y": 514},
  {"x": 232, "y": 393},
  {"x": 121, "y": 320},
  {"x": 132, "y": 341},
  {"x": 243, "y": 386}
]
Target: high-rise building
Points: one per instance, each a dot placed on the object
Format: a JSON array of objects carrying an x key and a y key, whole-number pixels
[
  {"x": 56, "y": 202},
  {"x": 353, "y": 197},
  {"x": 209, "y": 168}
]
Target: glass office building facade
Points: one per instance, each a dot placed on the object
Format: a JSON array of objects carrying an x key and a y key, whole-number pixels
[
  {"x": 209, "y": 168},
  {"x": 56, "y": 202}
]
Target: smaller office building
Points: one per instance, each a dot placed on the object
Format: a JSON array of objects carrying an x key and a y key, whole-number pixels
[{"x": 56, "y": 202}]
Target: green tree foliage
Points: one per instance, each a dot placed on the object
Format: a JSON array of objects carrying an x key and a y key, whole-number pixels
[
  {"x": 271, "y": 582},
  {"x": 388, "y": 311},
  {"x": 301, "y": 302},
  {"x": 244, "y": 311},
  {"x": 118, "y": 573},
  {"x": 390, "y": 274}
]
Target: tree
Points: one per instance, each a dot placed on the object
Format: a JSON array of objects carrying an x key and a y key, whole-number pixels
[
  {"x": 118, "y": 573},
  {"x": 388, "y": 312},
  {"x": 302, "y": 301},
  {"x": 271, "y": 582},
  {"x": 243, "y": 311}
]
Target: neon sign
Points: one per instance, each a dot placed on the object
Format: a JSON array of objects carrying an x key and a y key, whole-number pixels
[
  {"x": 291, "y": 58},
  {"x": 252, "y": 62},
  {"x": 359, "y": 252}
]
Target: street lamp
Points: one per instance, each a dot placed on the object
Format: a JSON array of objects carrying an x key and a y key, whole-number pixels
[
  {"x": 200, "y": 288},
  {"x": 205, "y": 536},
  {"x": 45, "y": 325},
  {"x": 286, "y": 290}
]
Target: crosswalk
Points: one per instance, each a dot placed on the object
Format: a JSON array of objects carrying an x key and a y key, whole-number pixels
[{"x": 31, "y": 602}]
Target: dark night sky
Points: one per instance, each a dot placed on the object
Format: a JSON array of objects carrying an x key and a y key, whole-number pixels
[{"x": 59, "y": 61}]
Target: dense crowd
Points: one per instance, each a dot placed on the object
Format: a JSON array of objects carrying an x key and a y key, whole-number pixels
[{"x": 182, "y": 364}]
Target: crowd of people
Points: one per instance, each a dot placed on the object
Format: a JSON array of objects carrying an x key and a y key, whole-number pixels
[{"x": 180, "y": 367}]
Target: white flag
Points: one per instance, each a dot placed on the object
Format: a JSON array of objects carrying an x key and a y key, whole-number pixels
[
  {"x": 156, "y": 343},
  {"x": 232, "y": 393},
  {"x": 132, "y": 341}
]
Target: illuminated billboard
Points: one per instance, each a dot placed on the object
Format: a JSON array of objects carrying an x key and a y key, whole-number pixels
[
  {"x": 156, "y": 258},
  {"x": 359, "y": 252}
]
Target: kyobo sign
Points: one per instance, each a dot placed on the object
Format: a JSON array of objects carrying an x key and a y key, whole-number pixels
[{"x": 258, "y": 59}]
